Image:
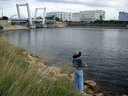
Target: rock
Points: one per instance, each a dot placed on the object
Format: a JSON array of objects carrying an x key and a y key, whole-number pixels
[
  {"x": 31, "y": 57},
  {"x": 124, "y": 95},
  {"x": 90, "y": 87},
  {"x": 47, "y": 70},
  {"x": 99, "y": 94},
  {"x": 71, "y": 76},
  {"x": 86, "y": 87},
  {"x": 41, "y": 65},
  {"x": 24, "y": 52},
  {"x": 89, "y": 91},
  {"x": 87, "y": 94},
  {"x": 90, "y": 83},
  {"x": 57, "y": 70},
  {"x": 62, "y": 75}
]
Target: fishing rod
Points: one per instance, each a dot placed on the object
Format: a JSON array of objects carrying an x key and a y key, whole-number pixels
[
  {"x": 91, "y": 53},
  {"x": 88, "y": 57}
]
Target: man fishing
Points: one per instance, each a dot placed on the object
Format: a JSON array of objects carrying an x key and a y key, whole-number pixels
[{"x": 78, "y": 82}]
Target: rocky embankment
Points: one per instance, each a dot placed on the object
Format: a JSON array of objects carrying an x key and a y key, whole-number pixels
[
  {"x": 14, "y": 27},
  {"x": 7, "y": 26},
  {"x": 43, "y": 69}
]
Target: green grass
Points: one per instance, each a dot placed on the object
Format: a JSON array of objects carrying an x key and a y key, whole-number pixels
[{"x": 17, "y": 78}]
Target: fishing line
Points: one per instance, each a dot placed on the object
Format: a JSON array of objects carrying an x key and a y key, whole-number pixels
[
  {"x": 91, "y": 52},
  {"x": 88, "y": 57}
]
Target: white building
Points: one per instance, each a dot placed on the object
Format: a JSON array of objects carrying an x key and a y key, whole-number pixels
[
  {"x": 64, "y": 16},
  {"x": 90, "y": 15},
  {"x": 76, "y": 17},
  {"x": 123, "y": 16}
]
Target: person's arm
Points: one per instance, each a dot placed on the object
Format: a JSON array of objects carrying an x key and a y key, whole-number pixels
[{"x": 84, "y": 65}]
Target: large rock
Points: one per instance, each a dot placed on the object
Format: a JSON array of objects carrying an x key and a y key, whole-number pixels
[
  {"x": 30, "y": 57},
  {"x": 90, "y": 83},
  {"x": 57, "y": 70},
  {"x": 90, "y": 87}
]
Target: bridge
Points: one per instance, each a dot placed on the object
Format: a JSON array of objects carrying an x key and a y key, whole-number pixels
[{"x": 28, "y": 21}]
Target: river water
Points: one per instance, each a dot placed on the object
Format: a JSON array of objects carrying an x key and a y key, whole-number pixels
[{"x": 104, "y": 50}]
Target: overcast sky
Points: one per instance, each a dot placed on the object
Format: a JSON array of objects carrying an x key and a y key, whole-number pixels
[{"x": 111, "y": 7}]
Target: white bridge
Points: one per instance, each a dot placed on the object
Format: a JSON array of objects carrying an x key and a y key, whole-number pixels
[{"x": 28, "y": 20}]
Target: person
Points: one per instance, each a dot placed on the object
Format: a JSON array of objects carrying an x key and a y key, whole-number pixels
[{"x": 78, "y": 82}]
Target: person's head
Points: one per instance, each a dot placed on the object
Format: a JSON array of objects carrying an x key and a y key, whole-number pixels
[{"x": 76, "y": 55}]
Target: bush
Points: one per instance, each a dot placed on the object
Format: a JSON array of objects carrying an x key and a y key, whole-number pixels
[
  {"x": 5, "y": 18},
  {"x": 13, "y": 23},
  {"x": 50, "y": 17},
  {"x": 57, "y": 19}
]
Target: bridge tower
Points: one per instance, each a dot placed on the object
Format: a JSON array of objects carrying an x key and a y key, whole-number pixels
[
  {"x": 28, "y": 11},
  {"x": 1, "y": 12},
  {"x": 44, "y": 14}
]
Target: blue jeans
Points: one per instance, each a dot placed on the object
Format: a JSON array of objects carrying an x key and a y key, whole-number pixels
[{"x": 78, "y": 80}]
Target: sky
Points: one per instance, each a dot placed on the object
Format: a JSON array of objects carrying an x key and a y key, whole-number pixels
[{"x": 111, "y": 7}]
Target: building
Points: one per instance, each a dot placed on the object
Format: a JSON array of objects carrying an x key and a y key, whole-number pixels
[
  {"x": 123, "y": 16},
  {"x": 64, "y": 16},
  {"x": 76, "y": 17},
  {"x": 89, "y": 15}
]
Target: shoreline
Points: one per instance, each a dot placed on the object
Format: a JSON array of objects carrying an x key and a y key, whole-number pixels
[
  {"x": 18, "y": 27},
  {"x": 102, "y": 27},
  {"x": 92, "y": 25}
]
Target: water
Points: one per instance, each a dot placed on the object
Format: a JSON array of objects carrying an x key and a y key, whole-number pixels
[{"x": 105, "y": 51}]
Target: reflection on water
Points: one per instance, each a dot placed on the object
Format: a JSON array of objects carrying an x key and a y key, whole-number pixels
[{"x": 105, "y": 51}]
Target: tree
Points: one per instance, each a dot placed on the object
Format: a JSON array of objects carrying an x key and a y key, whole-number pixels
[
  {"x": 5, "y": 18},
  {"x": 57, "y": 19},
  {"x": 50, "y": 17},
  {"x": 39, "y": 17}
]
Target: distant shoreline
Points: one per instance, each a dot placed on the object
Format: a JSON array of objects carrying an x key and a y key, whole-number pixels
[
  {"x": 106, "y": 27},
  {"x": 110, "y": 26}
]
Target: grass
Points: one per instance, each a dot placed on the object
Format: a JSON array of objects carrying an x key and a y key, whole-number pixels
[{"x": 17, "y": 78}]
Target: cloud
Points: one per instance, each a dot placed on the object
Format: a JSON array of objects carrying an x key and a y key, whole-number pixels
[
  {"x": 92, "y": 3},
  {"x": 111, "y": 7},
  {"x": 4, "y": 0}
]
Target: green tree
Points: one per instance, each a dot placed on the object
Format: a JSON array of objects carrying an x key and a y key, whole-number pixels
[
  {"x": 57, "y": 19},
  {"x": 50, "y": 17},
  {"x": 5, "y": 18}
]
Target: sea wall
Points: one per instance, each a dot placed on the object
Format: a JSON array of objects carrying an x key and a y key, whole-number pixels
[{"x": 4, "y": 22}]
